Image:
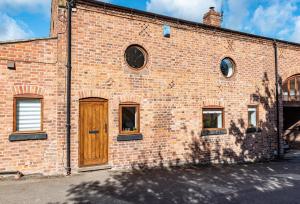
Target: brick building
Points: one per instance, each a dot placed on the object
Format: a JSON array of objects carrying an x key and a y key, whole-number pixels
[{"x": 146, "y": 90}]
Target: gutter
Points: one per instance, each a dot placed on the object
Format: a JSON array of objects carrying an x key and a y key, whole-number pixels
[
  {"x": 70, "y": 4},
  {"x": 277, "y": 97}
]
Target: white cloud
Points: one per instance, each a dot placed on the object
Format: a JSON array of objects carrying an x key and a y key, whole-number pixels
[
  {"x": 11, "y": 29},
  {"x": 190, "y": 10},
  {"x": 41, "y": 6},
  {"x": 236, "y": 14},
  {"x": 296, "y": 34},
  {"x": 273, "y": 18}
]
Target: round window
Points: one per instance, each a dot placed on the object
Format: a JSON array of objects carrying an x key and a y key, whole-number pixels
[
  {"x": 227, "y": 67},
  {"x": 135, "y": 56}
]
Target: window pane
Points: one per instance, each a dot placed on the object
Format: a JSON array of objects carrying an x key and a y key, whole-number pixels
[
  {"x": 292, "y": 88},
  {"x": 129, "y": 118},
  {"x": 227, "y": 67},
  {"x": 252, "y": 117},
  {"x": 28, "y": 114},
  {"x": 212, "y": 119},
  {"x": 298, "y": 88},
  {"x": 135, "y": 56},
  {"x": 285, "y": 91}
]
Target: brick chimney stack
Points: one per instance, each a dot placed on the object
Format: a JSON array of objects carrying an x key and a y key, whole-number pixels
[{"x": 212, "y": 18}]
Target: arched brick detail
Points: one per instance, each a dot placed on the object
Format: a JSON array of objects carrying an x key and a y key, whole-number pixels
[
  {"x": 130, "y": 98},
  {"x": 213, "y": 102},
  {"x": 28, "y": 89},
  {"x": 289, "y": 73},
  {"x": 93, "y": 93}
]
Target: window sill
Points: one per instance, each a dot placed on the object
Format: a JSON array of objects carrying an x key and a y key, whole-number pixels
[
  {"x": 208, "y": 132},
  {"x": 129, "y": 137},
  {"x": 14, "y": 137},
  {"x": 253, "y": 130}
]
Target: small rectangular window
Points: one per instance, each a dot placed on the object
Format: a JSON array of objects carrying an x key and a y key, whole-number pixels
[
  {"x": 213, "y": 119},
  {"x": 28, "y": 114},
  {"x": 298, "y": 88},
  {"x": 252, "y": 116},
  {"x": 285, "y": 91},
  {"x": 167, "y": 31},
  {"x": 129, "y": 118},
  {"x": 292, "y": 88}
]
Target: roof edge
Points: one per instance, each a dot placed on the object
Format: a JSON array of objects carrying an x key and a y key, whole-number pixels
[
  {"x": 178, "y": 20},
  {"x": 26, "y": 40}
]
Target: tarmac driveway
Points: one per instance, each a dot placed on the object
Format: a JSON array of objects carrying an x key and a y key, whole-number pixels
[{"x": 274, "y": 182}]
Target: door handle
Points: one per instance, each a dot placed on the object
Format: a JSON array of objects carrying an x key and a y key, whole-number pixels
[
  {"x": 106, "y": 129},
  {"x": 93, "y": 131}
]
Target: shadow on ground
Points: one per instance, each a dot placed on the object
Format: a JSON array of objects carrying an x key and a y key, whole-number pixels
[{"x": 255, "y": 183}]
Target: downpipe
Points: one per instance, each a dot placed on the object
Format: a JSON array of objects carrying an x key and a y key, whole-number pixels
[
  {"x": 70, "y": 4},
  {"x": 277, "y": 98}
]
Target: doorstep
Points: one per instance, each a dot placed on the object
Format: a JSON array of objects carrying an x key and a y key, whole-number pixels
[{"x": 93, "y": 168}]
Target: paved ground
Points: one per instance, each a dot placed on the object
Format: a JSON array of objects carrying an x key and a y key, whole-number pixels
[{"x": 275, "y": 182}]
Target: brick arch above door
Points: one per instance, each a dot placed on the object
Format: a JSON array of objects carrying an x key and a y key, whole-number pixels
[{"x": 93, "y": 93}]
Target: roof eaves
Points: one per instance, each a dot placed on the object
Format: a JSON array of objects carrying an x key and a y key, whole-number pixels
[
  {"x": 177, "y": 20},
  {"x": 26, "y": 40}
]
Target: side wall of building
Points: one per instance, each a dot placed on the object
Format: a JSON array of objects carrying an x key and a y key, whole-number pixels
[
  {"x": 182, "y": 77},
  {"x": 35, "y": 73}
]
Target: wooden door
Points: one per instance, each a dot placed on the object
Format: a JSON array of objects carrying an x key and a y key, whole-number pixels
[{"x": 93, "y": 144}]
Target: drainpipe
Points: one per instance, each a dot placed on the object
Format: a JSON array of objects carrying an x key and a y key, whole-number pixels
[
  {"x": 277, "y": 98},
  {"x": 69, "y": 72}
]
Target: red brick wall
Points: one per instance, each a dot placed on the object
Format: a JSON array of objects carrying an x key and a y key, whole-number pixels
[
  {"x": 35, "y": 73},
  {"x": 181, "y": 77},
  {"x": 171, "y": 117}
]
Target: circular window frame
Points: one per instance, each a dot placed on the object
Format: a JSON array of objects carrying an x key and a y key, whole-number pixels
[
  {"x": 145, "y": 53},
  {"x": 233, "y": 66}
]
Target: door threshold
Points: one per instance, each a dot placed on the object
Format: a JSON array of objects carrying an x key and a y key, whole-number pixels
[{"x": 94, "y": 168}]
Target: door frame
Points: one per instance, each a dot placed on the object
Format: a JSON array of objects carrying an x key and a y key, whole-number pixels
[{"x": 92, "y": 99}]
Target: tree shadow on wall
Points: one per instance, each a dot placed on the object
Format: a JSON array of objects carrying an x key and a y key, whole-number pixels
[
  {"x": 244, "y": 144},
  {"x": 173, "y": 183}
]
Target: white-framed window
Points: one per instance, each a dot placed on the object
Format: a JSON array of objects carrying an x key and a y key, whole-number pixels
[
  {"x": 213, "y": 118},
  {"x": 28, "y": 114},
  {"x": 252, "y": 116}
]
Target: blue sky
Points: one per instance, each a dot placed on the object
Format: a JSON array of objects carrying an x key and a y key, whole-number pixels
[{"x": 21, "y": 19}]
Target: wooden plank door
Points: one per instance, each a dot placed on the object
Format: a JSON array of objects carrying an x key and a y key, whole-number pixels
[{"x": 93, "y": 144}]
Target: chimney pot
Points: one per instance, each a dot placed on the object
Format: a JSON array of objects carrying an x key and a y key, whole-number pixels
[{"x": 212, "y": 17}]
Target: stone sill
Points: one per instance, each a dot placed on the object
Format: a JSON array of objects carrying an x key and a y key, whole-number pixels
[
  {"x": 253, "y": 130},
  {"x": 207, "y": 132},
  {"x": 130, "y": 137},
  {"x": 14, "y": 137}
]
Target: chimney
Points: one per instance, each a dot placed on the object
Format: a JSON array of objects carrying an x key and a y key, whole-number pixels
[{"x": 212, "y": 18}]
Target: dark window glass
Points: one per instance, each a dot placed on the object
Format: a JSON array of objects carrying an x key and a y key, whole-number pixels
[
  {"x": 135, "y": 57},
  {"x": 129, "y": 119},
  {"x": 212, "y": 118},
  {"x": 227, "y": 67}
]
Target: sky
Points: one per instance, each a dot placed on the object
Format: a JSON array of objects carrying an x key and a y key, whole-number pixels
[{"x": 23, "y": 19}]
